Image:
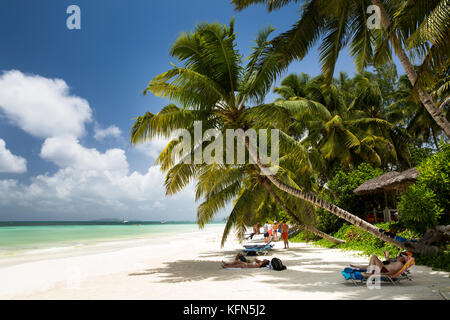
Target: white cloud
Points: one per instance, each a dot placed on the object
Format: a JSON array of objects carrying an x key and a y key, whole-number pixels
[
  {"x": 91, "y": 194},
  {"x": 88, "y": 184},
  {"x": 111, "y": 131},
  {"x": 67, "y": 152},
  {"x": 10, "y": 163},
  {"x": 152, "y": 148},
  {"x": 42, "y": 107}
]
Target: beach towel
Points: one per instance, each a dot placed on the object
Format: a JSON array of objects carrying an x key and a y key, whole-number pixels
[
  {"x": 353, "y": 273},
  {"x": 235, "y": 268}
]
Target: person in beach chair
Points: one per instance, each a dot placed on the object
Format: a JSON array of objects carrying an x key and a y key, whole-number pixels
[
  {"x": 257, "y": 249},
  {"x": 389, "y": 266},
  {"x": 389, "y": 270},
  {"x": 242, "y": 262}
]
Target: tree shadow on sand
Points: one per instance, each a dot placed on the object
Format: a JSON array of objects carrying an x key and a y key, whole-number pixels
[
  {"x": 312, "y": 276},
  {"x": 272, "y": 253},
  {"x": 197, "y": 270}
]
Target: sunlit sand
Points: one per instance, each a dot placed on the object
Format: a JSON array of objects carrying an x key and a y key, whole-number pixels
[{"x": 187, "y": 266}]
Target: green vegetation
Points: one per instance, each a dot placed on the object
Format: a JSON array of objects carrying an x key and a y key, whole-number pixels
[
  {"x": 435, "y": 175},
  {"x": 419, "y": 208},
  {"x": 409, "y": 27},
  {"x": 427, "y": 203},
  {"x": 357, "y": 124}
]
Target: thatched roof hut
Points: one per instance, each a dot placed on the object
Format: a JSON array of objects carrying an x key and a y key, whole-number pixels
[{"x": 391, "y": 181}]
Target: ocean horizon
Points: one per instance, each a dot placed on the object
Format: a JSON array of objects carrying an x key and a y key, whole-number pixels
[
  {"x": 8, "y": 223},
  {"x": 26, "y": 238}
]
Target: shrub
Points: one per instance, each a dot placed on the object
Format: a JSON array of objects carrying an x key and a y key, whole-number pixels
[
  {"x": 435, "y": 175},
  {"x": 439, "y": 261},
  {"x": 304, "y": 236},
  {"x": 427, "y": 202},
  {"x": 419, "y": 154},
  {"x": 419, "y": 208},
  {"x": 358, "y": 239}
]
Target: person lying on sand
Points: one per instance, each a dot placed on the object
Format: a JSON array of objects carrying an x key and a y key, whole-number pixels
[
  {"x": 390, "y": 266},
  {"x": 239, "y": 263}
]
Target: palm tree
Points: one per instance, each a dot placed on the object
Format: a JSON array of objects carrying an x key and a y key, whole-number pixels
[
  {"x": 419, "y": 124},
  {"x": 213, "y": 87},
  {"x": 339, "y": 23},
  {"x": 351, "y": 133},
  {"x": 373, "y": 94},
  {"x": 293, "y": 86}
]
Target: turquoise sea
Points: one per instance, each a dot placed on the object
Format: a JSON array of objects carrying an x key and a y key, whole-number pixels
[{"x": 18, "y": 238}]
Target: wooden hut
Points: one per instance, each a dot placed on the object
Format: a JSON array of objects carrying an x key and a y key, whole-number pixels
[{"x": 394, "y": 183}]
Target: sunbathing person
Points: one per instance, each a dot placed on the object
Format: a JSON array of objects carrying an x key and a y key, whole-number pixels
[
  {"x": 239, "y": 263},
  {"x": 390, "y": 266}
]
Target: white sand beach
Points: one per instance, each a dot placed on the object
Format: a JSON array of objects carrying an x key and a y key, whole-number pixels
[{"x": 187, "y": 266}]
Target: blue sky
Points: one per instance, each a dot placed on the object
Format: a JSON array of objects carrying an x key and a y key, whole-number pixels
[{"x": 103, "y": 67}]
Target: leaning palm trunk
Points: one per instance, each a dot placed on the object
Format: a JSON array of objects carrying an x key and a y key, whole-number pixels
[
  {"x": 341, "y": 213},
  {"x": 297, "y": 220},
  {"x": 436, "y": 144},
  {"x": 424, "y": 96}
]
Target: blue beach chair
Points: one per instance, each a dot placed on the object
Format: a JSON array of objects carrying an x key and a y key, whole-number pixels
[{"x": 258, "y": 249}]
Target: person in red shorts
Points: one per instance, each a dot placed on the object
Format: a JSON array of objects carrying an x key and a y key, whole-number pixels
[{"x": 285, "y": 234}]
